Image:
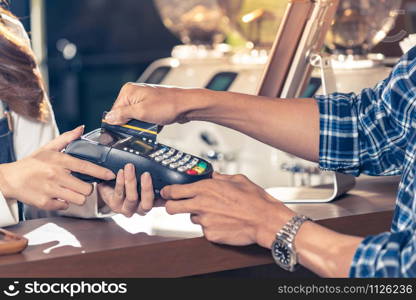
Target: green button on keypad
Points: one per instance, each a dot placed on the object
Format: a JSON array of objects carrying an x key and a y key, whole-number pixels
[{"x": 202, "y": 165}]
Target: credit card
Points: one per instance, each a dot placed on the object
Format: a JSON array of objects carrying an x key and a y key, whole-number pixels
[{"x": 134, "y": 128}]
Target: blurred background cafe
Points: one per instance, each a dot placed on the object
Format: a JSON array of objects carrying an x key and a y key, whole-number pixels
[{"x": 88, "y": 49}]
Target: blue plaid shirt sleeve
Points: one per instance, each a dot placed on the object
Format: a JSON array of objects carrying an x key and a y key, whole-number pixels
[
  {"x": 368, "y": 132},
  {"x": 373, "y": 133},
  {"x": 386, "y": 255}
]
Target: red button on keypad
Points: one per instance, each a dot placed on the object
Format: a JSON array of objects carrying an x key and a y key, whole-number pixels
[{"x": 192, "y": 172}]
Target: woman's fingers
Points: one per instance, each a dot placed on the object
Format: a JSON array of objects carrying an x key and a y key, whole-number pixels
[
  {"x": 70, "y": 182},
  {"x": 147, "y": 194},
  {"x": 124, "y": 197},
  {"x": 116, "y": 200},
  {"x": 132, "y": 198},
  {"x": 85, "y": 167},
  {"x": 68, "y": 195},
  {"x": 55, "y": 204},
  {"x": 64, "y": 139}
]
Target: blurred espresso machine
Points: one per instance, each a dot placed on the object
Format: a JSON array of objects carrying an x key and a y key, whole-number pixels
[{"x": 226, "y": 46}]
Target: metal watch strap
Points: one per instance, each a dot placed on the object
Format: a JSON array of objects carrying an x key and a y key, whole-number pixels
[
  {"x": 287, "y": 235},
  {"x": 288, "y": 232}
]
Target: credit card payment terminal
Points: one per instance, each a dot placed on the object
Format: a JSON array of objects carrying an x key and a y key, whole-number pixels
[{"x": 113, "y": 146}]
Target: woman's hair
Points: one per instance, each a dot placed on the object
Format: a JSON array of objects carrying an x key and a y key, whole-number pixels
[{"x": 21, "y": 85}]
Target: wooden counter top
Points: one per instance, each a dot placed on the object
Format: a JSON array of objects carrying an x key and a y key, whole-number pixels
[{"x": 106, "y": 250}]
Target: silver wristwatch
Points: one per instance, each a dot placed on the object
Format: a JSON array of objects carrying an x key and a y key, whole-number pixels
[{"x": 283, "y": 248}]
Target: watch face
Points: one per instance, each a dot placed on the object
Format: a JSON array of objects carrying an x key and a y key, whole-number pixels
[{"x": 282, "y": 254}]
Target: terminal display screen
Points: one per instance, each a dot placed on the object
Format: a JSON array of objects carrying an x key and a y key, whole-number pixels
[
  {"x": 106, "y": 137},
  {"x": 112, "y": 139},
  {"x": 140, "y": 146}
]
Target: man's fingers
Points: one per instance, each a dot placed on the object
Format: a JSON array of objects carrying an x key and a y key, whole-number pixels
[
  {"x": 182, "y": 206},
  {"x": 123, "y": 96},
  {"x": 86, "y": 167},
  {"x": 128, "y": 91},
  {"x": 123, "y": 114},
  {"x": 132, "y": 197},
  {"x": 216, "y": 175},
  {"x": 234, "y": 178},
  {"x": 180, "y": 191},
  {"x": 64, "y": 139},
  {"x": 147, "y": 195}
]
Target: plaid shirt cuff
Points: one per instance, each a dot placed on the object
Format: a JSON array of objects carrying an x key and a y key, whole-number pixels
[
  {"x": 339, "y": 144},
  {"x": 385, "y": 255}
]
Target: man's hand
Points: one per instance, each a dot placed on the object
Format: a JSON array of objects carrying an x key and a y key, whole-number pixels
[
  {"x": 231, "y": 209},
  {"x": 252, "y": 115},
  {"x": 149, "y": 103}
]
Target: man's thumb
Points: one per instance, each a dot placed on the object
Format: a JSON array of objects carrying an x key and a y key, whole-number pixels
[
  {"x": 120, "y": 115},
  {"x": 64, "y": 139}
]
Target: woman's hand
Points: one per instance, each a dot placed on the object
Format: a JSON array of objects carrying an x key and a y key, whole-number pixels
[
  {"x": 123, "y": 197},
  {"x": 44, "y": 178},
  {"x": 151, "y": 103},
  {"x": 231, "y": 209}
]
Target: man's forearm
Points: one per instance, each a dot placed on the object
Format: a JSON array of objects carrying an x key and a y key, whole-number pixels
[
  {"x": 291, "y": 125},
  {"x": 326, "y": 252},
  {"x": 321, "y": 250}
]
